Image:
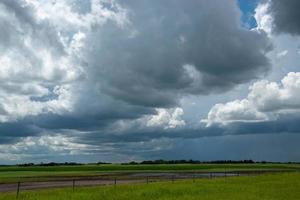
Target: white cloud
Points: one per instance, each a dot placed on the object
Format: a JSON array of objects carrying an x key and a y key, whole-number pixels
[
  {"x": 70, "y": 16},
  {"x": 104, "y": 67},
  {"x": 105, "y": 45},
  {"x": 282, "y": 54},
  {"x": 277, "y": 97},
  {"x": 264, "y": 102},
  {"x": 41, "y": 54},
  {"x": 17, "y": 106},
  {"x": 263, "y": 17},
  {"x": 167, "y": 118},
  {"x": 235, "y": 111},
  {"x": 42, "y": 146}
]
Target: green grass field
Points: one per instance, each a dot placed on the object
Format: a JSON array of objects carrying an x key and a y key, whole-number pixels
[
  {"x": 15, "y": 174},
  {"x": 263, "y": 187}
]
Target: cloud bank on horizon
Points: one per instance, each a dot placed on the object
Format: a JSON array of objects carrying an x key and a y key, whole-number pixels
[{"x": 105, "y": 79}]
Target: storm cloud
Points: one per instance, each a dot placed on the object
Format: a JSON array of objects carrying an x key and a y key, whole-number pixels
[
  {"x": 108, "y": 76},
  {"x": 174, "y": 48},
  {"x": 286, "y": 16},
  {"x": 130, "y": 54}
]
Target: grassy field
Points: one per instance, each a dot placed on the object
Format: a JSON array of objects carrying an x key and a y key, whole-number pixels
[
  {"x": 264, "y": 187},
  {"x": 14, "y": 174}
]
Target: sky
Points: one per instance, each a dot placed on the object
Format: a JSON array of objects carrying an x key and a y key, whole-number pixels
[{"x": 125, "y": 80}]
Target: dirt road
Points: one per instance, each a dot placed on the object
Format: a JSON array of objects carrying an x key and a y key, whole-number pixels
[
  {"x": 59, "y": 184},
  {"x": 122, "y": 179}
]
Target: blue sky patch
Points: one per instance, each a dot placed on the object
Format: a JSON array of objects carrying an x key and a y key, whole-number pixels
[{"x": 248, "y": 8}]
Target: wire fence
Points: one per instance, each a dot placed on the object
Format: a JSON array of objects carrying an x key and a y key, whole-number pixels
[{"x": 128, "y": 179}]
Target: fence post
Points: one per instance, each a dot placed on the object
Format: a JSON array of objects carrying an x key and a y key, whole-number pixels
[
  {"x": 115, "y": 183},
  {"x": 73, "y": 185},
  {"x": 193, "y": 178},
  {"x": 18, "y": 189}
]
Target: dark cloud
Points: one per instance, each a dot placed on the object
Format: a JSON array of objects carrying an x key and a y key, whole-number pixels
[
  {"x": 271, "y": 147},
  {"x": 136, "y": 134},
  {"x": 286, "y": 16},
  {"x": 17, "y": 7},
  {"x": 8, "y": 140},
  {"x": 18, "y": 129},
  {"x": 234, "y": 141},
  {"x": 13, "y": 132},
  {"x": 134, "y": 66},
  {"x": 98, "y": 132},
  {"x": 152, "y": 56},
  {"x": 142, "y": 62},
  {"x": 20, "y": 22},
  {"x": 148, "y": 142}
]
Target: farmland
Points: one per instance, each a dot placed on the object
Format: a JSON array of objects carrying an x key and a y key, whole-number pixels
[
  {"x": 13, "y": 174},
  {"x": 279, "y": 186}
]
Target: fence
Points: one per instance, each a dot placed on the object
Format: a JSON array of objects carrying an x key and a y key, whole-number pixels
[{"x": 129, "y": 178}]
